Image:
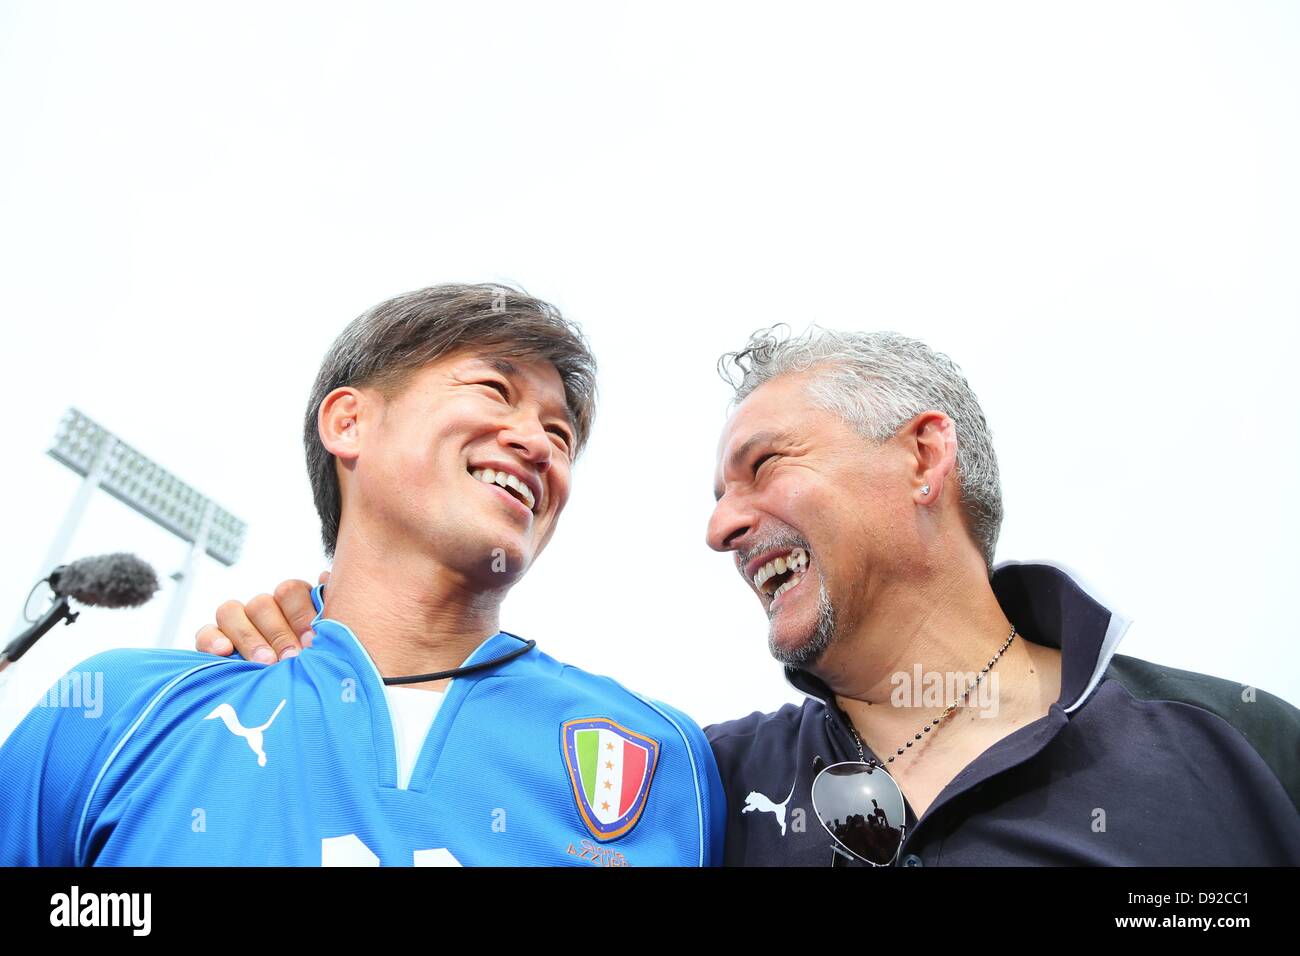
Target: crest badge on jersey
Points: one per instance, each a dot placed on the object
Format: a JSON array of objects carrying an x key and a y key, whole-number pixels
[{"x": 611, "y": 768}]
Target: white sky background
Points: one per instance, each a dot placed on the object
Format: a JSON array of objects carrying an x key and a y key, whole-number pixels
[{"x": 1088, "y": 206}]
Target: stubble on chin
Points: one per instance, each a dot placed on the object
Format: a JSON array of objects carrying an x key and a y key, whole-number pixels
[{"x": 823, "y": 633}]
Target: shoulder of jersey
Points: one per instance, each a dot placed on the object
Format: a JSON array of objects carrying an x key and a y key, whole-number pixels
[
  {"x": 132, "y": 674},
  {"x": 149, "y": 664},
  {"x": 600, "y": 692}
]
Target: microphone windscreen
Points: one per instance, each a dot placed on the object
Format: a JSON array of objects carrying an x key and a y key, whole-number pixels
[{"x": 108, "y": 580}]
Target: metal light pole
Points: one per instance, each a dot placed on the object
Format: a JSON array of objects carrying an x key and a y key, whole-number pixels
[{"x": 107, "y": 462}]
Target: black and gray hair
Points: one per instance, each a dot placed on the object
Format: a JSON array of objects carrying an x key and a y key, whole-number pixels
[
  {"x": 876, "y": 382},
  {"x": 385, "y": 346}
]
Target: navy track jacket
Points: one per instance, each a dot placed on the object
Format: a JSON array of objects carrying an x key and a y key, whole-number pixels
[{"x": 1135, "y": 764}]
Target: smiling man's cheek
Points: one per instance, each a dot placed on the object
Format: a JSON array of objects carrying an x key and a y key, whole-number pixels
[{"x": 557, "y": 498}]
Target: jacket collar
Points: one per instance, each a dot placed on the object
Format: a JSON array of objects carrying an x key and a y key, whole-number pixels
[{"x": 1049, "y": 607}]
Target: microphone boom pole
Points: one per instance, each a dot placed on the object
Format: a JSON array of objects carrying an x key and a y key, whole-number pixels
[{"x": 20, "y": 645}]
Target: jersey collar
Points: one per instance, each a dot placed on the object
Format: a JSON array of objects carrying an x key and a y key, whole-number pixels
[{"x": 337, "y": 640}]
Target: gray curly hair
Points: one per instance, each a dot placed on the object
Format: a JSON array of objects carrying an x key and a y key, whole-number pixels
[{"x": 876, "y": 382}]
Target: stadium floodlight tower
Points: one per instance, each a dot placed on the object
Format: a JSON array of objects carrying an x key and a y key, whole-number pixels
[{"x": 105, "y": 461}]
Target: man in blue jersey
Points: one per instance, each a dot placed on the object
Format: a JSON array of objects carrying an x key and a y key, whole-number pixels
[
  {"x": 440, "y": 435},
  {"x": 956, "y": 712}
]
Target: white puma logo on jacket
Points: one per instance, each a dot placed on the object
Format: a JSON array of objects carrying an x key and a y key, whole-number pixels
[
  {"x": 764, "y": 804},
  {"x": 253, "y": 735}
]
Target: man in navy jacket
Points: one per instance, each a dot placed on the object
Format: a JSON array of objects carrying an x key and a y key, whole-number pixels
[{"x": 867, "y": 458}]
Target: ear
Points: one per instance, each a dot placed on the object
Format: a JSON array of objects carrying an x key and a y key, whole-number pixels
[
  {"x": 340, "y": 422},
  {"x": 932, "y": 439}
]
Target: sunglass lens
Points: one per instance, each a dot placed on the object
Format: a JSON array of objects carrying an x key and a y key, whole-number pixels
[{"x": 862, "y": 808}]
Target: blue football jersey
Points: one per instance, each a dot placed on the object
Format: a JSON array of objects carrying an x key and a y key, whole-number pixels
[{"x": 190, "y": 760}]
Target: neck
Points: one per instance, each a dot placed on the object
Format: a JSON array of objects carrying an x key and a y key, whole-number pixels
[
  {"x": 412, "y": 614},
  {"x": 924, "y": 645}
]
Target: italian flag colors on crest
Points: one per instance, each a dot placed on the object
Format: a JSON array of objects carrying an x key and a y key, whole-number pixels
[{"x": 610, "y": 768}]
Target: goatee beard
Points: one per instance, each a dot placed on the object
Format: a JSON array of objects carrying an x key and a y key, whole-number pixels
[{"x": 822, "y": 635}]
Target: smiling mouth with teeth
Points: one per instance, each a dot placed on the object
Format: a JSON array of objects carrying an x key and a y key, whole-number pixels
[
  {"x": 782, "y": 573},
  {"x": 509, "y": 482}
]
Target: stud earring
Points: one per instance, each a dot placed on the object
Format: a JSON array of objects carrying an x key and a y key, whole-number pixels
[{"x": 925, "y": 490}]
